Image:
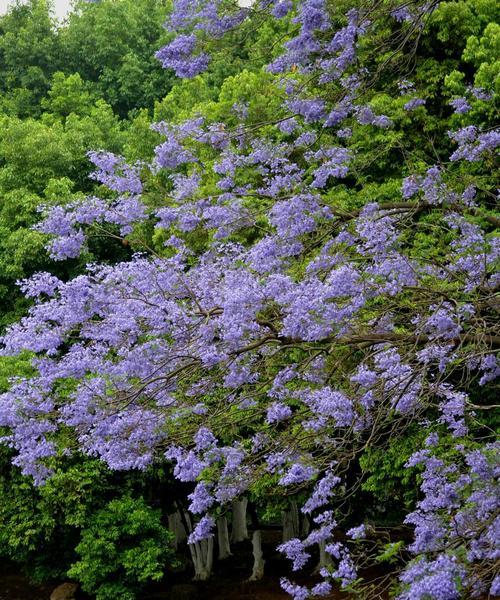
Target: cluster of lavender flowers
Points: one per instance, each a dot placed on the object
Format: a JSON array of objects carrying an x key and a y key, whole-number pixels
[
  {"x": 458, "y": 515},
  {"x": 160, "y": 354}
]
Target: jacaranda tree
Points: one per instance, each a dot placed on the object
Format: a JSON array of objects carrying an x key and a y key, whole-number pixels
[{"x": 315, "y": 279}]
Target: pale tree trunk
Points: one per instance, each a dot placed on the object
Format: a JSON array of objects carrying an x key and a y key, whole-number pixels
[
  {"x": 258, "y": 557},
  {"x": 239, "y": 530},
  {"x": 223, "y": 538},
  {"x": 202, "y": 553},
  {"x": 176, "y": 526},
  {"x": 324, "y": 558},
  {"x": 290, "y": 520}
]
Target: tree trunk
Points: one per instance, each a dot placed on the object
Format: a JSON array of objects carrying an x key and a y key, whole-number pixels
[
  {"x": 223, "y": 538},
  {"x": 239, "y": 530},
  {"x": 290, "y": 520},
  {"x": 176, "y": 526},
  {"x": 258, "y": 557},
  {"x": 305, "y": 526},
  {"x": 202, "y": 554},
  {"x": 324, "y": 558}
]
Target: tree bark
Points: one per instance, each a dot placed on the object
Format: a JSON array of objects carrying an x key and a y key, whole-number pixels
[
  {"x": 258, "y": 557},
  {"x": 290, "y": 520},
  {"x": 305, "y": 526},
  {"x": 239, "y": 531},
  {"x": 324, "y": 558},
  {"x": 176, "y": 526},
  {"x": 202, "y": 554},
  {"x": 223, "y": 538}
]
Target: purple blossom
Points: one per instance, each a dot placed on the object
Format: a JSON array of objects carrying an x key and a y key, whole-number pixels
[
  {"x": 323, "y": 588},
  {"x": 357, "y": 533},
  {"x": 298, "y": 474},
  {"x": 405, "y": 86},
  {"x": 38, "y": 284},
  {"x": 338, "y": 114},
  {"x": 490, "y": 368},
  {"x": 344, "y": 133},
  {"x": 69, "y": 246},
  {"x": 472, "y": 144},
  {"x": 460, "y": 105},
  {"x": 481, "y": 94},
  {"x": 204, "y": 439},
  {"x": 288, "y": 125},
  {"x": 322, "y": 492},
  {"x": 282, "y": 8},
  {"x": 366, "y": 116},
  {"x": 453, "y": 410},
  {"x": 345, "y": 571},
  {"x": 170, "y": 154},
  {"x": 334, "y": 404},
  {"x": 205, "y": 15},
  {"x": 278, "y": 412},
  {"x": 411, "y": 186},
  {"x": 203, "y": 530},
  {"x": 402, "y": 13},
  {"x": 179, "y": 55},
  {"x": 201, "y": 498},
  {"x": 295, "y": 551},
  {"x": 334, "y": 163},
  {"x": 191, "y": 349},
  {"x": 296, "y": 216},
  {"x": 185, "y": 187},
  {"x": 439, "y": 579},
  {"x": 113, "y": 172},
  {"x": 297, "y": 592},
  {"x": 364, "y": 377},
  {"x": 414, "y": 103},
  {"x": 495, "y": 586},
  {"x": 312, "y": 110},
  {"x": 432, "y": 439},
  {"x": 188, "y": 466}
]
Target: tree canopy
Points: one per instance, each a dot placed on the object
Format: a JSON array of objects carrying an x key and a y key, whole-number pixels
[{"x": 283, "y": 290}]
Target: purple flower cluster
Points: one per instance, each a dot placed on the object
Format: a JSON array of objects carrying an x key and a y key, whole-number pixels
[
  {"x": 113, "y": 172},
  {"x": 414, "y": 103},
  {"x": 438, "y": 579},
  {"x": 459, "y": 511},
  {"x": 460, "y": 105},
  {"x": 472, "y": 144},
  {"x": 178, "y": 55}
]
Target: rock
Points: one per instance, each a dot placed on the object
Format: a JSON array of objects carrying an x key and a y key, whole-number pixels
[
  {"x": 184, "y": 591},
  {"x": 65, "y": 591}
]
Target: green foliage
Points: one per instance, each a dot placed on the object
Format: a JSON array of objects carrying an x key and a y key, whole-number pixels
[
  {"x": 484, "y": 52},
  {"x": 391, "y": 484},
  {"x": 31, "y": 533},
  {"x": 123, "y": 546},
  {"x": 40, "y": 528},
  {"x": 43, "y": 161},
  {"x": 391, "y": 552},
  {"x": 68, "y": 94},
  {"x": 14, "y": 366},
  {"x": 112, "y": 44},
  {"x": 123, "y": 72},
  {"x": 29, "y": 54}
]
